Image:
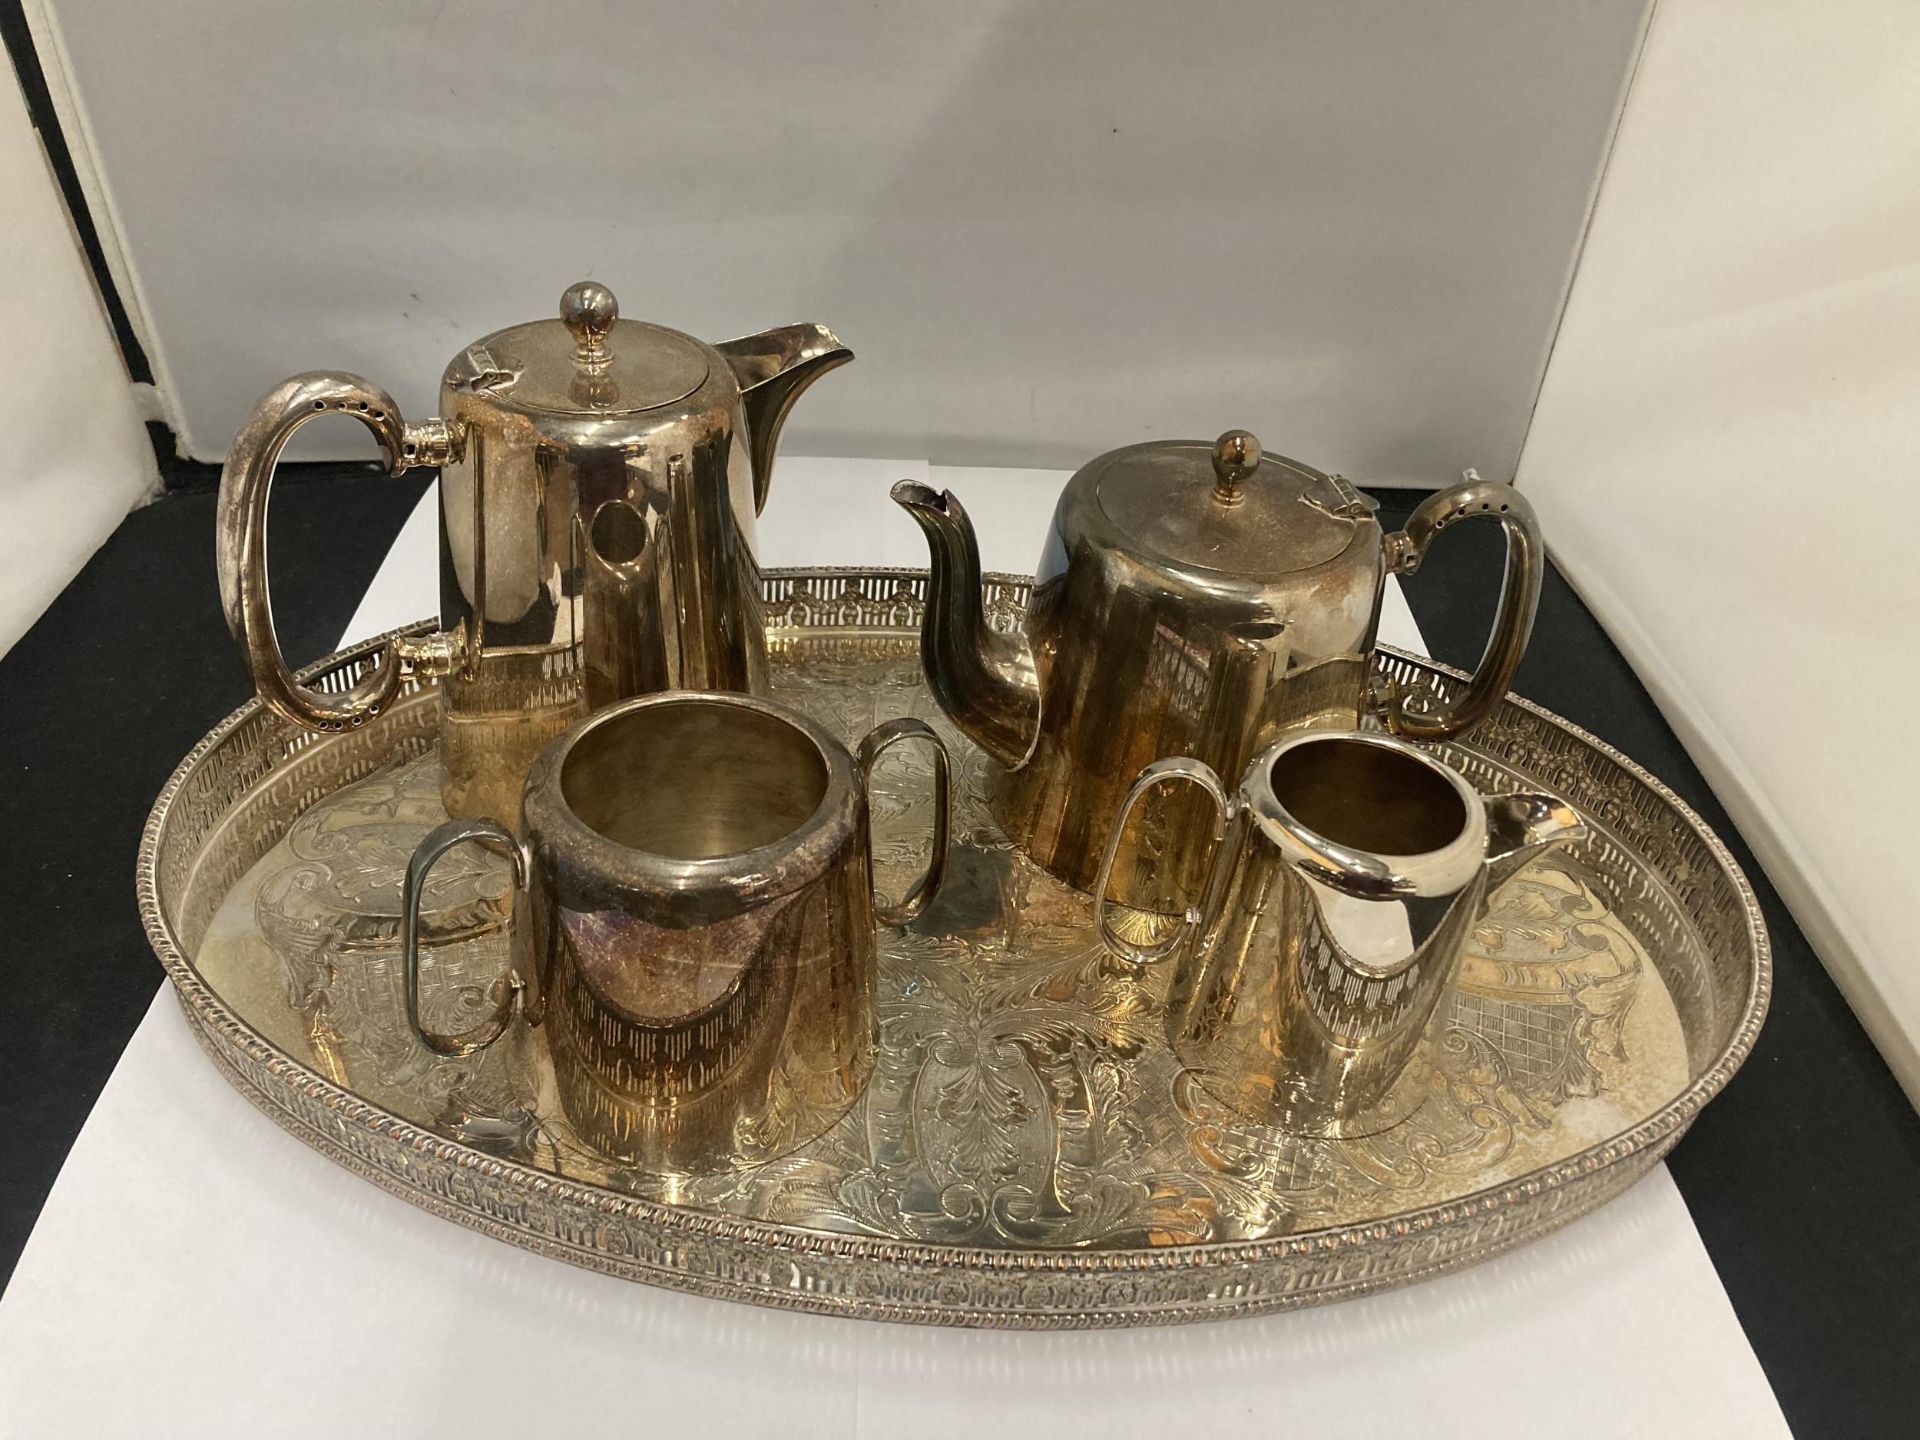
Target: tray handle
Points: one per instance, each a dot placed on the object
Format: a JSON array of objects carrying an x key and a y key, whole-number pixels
[
  {"x": 439, "y": 840},
  {"x": 879, "y": 740},
  {"x": 1179, "y": 769}
]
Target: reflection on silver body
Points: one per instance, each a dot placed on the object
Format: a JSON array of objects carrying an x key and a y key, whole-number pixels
[
  {"x": 599, "y": 480},
  {"x": 697, "y": 928},
  {"x": 1030, "y": 1152},
  {"x": 1192, "y": 599},
  {"x": 1351, "y": 869}
]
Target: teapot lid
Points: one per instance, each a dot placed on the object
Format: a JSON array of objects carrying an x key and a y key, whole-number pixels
[
  {"x": 587, "y": 362},
  {"x": 1226, "y": 506}
]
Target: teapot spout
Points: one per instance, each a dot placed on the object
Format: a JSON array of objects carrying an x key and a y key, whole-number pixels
[
  {"x": 1521, "y": 827},
  {"x": 984, "y": 680},
  {"x": 773, "y": 367}
]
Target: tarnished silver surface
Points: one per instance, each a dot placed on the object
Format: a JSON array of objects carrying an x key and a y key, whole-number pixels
[
  {"x": 1352, "y": 868},
  {"x": 599, "y": 480},
  {"x": 696, "y": 936},
  {"x": 1028, "y": 1153},
  {"x": 1192, "y": 599}
]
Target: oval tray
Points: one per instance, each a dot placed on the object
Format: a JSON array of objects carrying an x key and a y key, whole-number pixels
[{"x": 1028, "y": 1153}]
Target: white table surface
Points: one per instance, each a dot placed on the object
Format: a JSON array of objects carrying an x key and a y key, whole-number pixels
[{"x": 199, "y": 1271}]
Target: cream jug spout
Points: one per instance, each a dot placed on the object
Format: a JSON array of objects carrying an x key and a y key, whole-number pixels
[
  {"x": 984, "y": 680},
  {"x": 1520, "y": 826},
  {"x": 773, "y": 367}
]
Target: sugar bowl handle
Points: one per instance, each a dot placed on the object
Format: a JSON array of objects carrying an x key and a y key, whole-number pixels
[
  {"x": 1226, "y": 807},
  {"x": 241, "y": 538},
  {"x": 441, "y": 839},
  {"x": 880, "y": 739},
  {"x": 1519, "y": 599}
]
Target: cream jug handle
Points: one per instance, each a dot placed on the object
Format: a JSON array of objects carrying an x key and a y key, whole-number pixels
[
  {"x": 880, "y": 739},
  {"x": 1519, "y": 599},
  {"x": 1226, "y": 807},
  {"x": 241, "y": 534},
  {"x": 441, "y": 839}
]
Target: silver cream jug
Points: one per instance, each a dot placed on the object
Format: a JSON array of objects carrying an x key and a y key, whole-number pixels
[{"x": 1316, "y": 968}]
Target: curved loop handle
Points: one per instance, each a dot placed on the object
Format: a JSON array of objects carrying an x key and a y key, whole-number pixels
[
  {"x": 440, "y": 840},
  {"x": 241, "y": 532},
  {"x": 1160, "y": 772},
  {"x": 880, "y": 739},
  {"x": 1519, "y": 599}
]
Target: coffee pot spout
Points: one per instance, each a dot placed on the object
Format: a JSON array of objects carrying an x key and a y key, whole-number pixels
[
  {"x": 773, "y": 368},
  {"x": 984, "y": 680},
  {"x": 1520, "y": 827}
]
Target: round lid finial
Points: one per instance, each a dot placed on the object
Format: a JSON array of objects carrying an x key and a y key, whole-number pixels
[
  {"x": 588, "y": 310},
  {"x": 1236, "y": 455}
]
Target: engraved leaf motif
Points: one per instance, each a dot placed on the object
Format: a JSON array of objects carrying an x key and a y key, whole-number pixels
[{"x": 973, "y": 1106}]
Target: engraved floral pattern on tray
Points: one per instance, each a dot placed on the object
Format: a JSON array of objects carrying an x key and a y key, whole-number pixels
[
  {"x": 1027, "y": 1120},
  {"x": 1023, "y": 1096}
]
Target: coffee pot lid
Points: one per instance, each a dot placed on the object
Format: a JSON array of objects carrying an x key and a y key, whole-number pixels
[
  {"x": 587, "y": 362},
  {"x": 1226, "y": 506}
]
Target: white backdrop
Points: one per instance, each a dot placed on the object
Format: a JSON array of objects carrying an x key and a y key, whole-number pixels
[
  {"x": 1047, "y": 227},
  {"x": 73, "y": 455},
  {"x": 1726, "y": 449}
]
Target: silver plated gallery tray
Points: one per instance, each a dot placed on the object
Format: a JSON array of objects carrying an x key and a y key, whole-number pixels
[{"x": 1028, "y": 1153}]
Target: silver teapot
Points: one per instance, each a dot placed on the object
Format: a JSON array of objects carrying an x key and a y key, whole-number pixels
[
  {"x": 1192, "y": 599},
  {"x": 599, "y": 480}
]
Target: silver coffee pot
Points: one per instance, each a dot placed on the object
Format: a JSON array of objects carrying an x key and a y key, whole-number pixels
[{"x": 599, "y": 479}]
